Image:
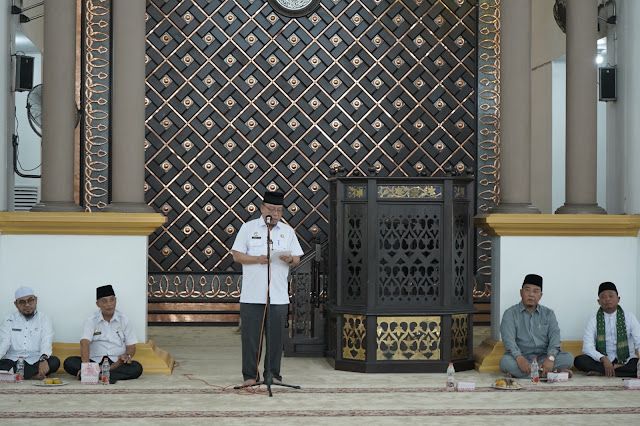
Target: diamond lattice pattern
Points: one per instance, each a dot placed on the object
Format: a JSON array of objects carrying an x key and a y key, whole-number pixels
[{"x": 240, "y": 99}]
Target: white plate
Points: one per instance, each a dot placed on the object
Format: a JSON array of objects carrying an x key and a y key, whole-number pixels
[
  {"x": 43, "y": 384},
  {"x": 519, "y": 386}
]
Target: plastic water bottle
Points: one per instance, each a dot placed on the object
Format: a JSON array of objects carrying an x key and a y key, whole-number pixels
[
  {"x": 535, "y": 372},
  {"x": 106, "y": 372},
  {"x": 20, "y": 370},
  {"x": 451, "y": 378}
]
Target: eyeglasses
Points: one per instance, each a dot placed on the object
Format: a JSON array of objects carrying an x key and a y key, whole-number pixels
[
  {"x": 28, "y": 301},
  {"x": 272, "y": 210}
]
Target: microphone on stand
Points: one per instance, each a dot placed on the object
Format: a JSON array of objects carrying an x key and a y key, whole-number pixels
[{"x": 267, "y": 219}]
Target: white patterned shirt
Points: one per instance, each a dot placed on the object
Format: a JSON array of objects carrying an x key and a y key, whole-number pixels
[
  {"x": 252, "y": 240},
  {"x": 29, "y": 338},
  {"x": 108, "y": 338}
]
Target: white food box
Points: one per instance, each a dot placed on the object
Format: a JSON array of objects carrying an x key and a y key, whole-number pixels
[
  {"x": 466, "y": 386},
  {"x": 632, "y": 383},
  {"x": 557, "y": 377},
  {"x": 7, "y": 376},
  {"x": 90, "y": 373}
]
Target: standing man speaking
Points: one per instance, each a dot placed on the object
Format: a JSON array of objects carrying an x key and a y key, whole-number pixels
[{"x": 250, "y": 250}]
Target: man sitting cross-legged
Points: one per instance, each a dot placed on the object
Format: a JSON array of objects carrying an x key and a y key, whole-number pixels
[
  {"x": 107, "y": 333},
  {"x": 28, "y": 333},
  {"x": 530, "y": 330},
  {"x": 610, "y": 338}
]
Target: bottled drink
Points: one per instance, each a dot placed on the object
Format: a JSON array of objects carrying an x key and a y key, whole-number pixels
[
  {"x": 535, "y": 372},
  {"x": 451, "y": 379},
  {"x": 20, "y": 370},
  {"x": 106, "y": 372}
]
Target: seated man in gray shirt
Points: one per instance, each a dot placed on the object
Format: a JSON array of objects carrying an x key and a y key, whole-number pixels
[{"x": 530, "y": 330}]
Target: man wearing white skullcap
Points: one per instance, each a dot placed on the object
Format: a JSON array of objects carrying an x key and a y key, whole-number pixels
[{"x": 28, "y": 333}]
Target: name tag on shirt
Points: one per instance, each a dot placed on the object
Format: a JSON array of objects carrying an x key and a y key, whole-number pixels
[
  {"x": 256, "y": 238},
  {"x": 16, "y": 329},
  {"x": 97, "y": 333}
]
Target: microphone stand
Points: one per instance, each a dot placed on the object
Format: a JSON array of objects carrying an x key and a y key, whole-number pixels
[{"x": 268, "y": 375}]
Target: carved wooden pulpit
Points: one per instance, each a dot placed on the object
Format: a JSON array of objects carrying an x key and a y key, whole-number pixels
[{"x": 399, "y": 296}]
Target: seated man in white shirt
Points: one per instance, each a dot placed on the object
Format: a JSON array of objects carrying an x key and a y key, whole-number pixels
[
  {"x": 610, "y": 338},
  {"x": 28, "y": 334},
  {"x": 107, "y": 333}
]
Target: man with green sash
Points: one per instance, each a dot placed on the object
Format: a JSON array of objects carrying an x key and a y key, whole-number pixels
[{"x": 610, "y": 338}]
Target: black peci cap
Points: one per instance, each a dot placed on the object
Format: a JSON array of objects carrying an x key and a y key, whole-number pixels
[
  {"x": 275, "y": 198},
  {"x": 104, "y": 291},
  {"x": 533, "y": 279}
]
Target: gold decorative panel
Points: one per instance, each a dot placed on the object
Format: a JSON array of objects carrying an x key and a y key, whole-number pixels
[
  {"x": 410, "y": 191},
  {"x": 460, "y": 336},
  {"x": 169, "y": 286},
  {"x": 354, "y": 333},
  {"x": 408, "y": 338},
  {"x": 240, "y": 99},
  {"x": 356, "y": 192}
]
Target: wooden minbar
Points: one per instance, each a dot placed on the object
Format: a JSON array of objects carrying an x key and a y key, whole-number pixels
[{"x": 400, "y": 287}]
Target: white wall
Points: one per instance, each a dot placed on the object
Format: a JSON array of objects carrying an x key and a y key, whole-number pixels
[
  {"x": 614, "y": 142},
  {"x": 5, "y": 103},
  {"x": 542, "y": 138},
  {"x": 572, "y": 269},
  {"x": 29, "y": 142},
  {"x": 601, "y": 152},
  {"x": 547, "y": 44},
  {"x": 558, "y": 132},
  {"x": 64, "y": 272}
]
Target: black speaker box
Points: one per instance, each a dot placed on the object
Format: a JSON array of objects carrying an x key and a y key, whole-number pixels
[
  {"x": 608, "y": 86},
  {"x": 24, "y": 73}
]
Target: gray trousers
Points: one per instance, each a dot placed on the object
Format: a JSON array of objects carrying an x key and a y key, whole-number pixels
[
  {"x": 251, "y": 319},
  {"x": 508, "y": 363}
]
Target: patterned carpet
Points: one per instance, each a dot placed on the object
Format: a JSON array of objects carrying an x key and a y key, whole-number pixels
[{"x": 201, "y": 390}]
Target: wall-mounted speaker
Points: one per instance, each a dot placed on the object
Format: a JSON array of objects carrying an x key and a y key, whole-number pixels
[
  {"x": 608, "y": 86},
  {"x": 24, "y": 73}
]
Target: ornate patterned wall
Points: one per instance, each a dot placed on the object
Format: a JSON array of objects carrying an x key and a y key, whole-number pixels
[
  {"x": 240, "y": 98},
  {"x": 95, "y": 146},
  {"x": 488, "y": 135}
]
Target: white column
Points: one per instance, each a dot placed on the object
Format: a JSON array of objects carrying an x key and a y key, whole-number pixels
[
  {"x": 581, "y": 161},
  {"x": 6, "y": 170},
  {"x": 515, "y": 108},
  {"x": 127, "y": 107},
  {"x": 58, "y": 106}
]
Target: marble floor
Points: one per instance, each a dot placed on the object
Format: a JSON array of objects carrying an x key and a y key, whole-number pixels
[{"x": 208, "y": 365}]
